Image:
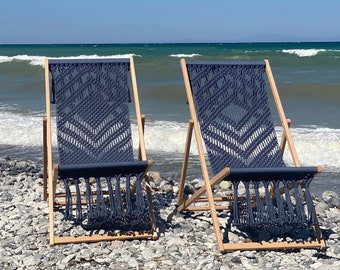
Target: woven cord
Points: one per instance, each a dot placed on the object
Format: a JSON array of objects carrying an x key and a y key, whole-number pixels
[
  {"x": 300, "y": 217},
  {"x": 250, "y": 217},
  {"x": 118, "y": 199},
  {"x": 89, "y": 199},
  {"x": 237, "y": 221},
  {"x": 140, "y": 202},
  {"x": 111, "y": 197},
  {"x": 259, "y": 204},
  {"x": 282, "y": 218},
  {"x": 260, "y": 209},
  {"x": 129, "y": 207},
  {"x": 270, "y": 212},
  {"x": 101, "y": 208},
  {"x": 312, "y": 218},
  {"x": 79, "y": 213},
  {"x": 68, "y": 204}
]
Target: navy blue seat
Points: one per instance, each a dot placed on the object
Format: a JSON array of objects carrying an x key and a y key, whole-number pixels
[{"x": 231, "y": 116}]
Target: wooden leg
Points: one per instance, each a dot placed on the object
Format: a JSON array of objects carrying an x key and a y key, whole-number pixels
[
  {"x": 151, "y": 209},
  {"x": 52, "y": 182},
  {"x": 143, "y": 127},
  {"x": 55, "y": 179},
  {"x": 185, "y": 163},
  {"x": 45, "y": 157}
]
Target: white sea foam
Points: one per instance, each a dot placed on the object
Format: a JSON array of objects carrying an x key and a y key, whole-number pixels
[
  {"x": 36, "y": 60},
  {"x": 304, "y": 52},
  {"x": 20, "y": 130},
  {"x": 315, "y": 146},
  {"x": 183, "y": 55}
]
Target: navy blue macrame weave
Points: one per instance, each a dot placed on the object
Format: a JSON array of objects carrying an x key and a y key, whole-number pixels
[
  {"x": 235, "y": 120},
  {"x": 92, "y": 109},
  {"x": 95, "y": 143}
]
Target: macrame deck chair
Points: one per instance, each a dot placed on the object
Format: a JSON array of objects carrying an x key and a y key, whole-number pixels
[
  {"x": 233, "y": 127},
  {"x": 105, "y": 191}
]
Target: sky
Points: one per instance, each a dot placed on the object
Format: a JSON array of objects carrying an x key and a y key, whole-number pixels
[{"x": 168, "y": 21}]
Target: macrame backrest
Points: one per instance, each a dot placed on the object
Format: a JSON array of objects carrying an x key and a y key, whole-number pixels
[
  {"x": 92, "y": 111},
  {"x": 234, "y": 115}
]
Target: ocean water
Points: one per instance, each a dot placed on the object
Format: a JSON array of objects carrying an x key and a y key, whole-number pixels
[{"x": 307, "y": 76}]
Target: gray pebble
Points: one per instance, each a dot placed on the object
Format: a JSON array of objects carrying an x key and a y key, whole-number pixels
[{"x": 185, "y": 241}]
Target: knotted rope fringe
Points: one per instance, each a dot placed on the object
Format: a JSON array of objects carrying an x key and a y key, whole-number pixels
[
  {"x": 256, "y": 207},
  {"x": 108, "y": 206}
]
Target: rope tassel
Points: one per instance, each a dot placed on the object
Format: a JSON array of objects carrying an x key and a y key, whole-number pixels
[
  {"x": 110, "y": 203},
  {"x": 261, "y": 207}
]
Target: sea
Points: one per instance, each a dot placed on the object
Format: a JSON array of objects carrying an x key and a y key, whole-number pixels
[{"x": 307, "y": 76}]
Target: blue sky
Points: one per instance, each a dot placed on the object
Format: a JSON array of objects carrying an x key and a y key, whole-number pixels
[{"x": 161, "y": 21}]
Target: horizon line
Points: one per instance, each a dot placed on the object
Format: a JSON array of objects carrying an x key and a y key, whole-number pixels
[{"x": 162, "y": 43}]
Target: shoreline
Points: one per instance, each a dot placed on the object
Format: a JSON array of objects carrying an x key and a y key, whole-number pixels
[{"x": 185, "y": 241}]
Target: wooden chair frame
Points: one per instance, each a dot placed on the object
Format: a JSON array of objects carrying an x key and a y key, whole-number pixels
[
  {"x": 50, "y": 175},
  {"x": 207, "y": 189}
]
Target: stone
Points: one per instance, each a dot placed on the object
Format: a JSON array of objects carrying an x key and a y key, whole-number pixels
[
  {"x": 334, "y": 236},
  {"x": 175, "y": 189},
  {"x": 321, "y": 208},
  {"x": 150, "y": 265},
  {"x": 176, "y": 241},
  {"x": 68, "y": 258},
  {"x": 155, "y": 177},
  {"x": 166, "y": 186},
  {"x": 316, "y": 265},
  {"x": 21, "y": 165},
  {"x": 225, "y": 185},
  {"x": 133, "y": 263},
  {"x": 189, "y": 189},
  {"x": 249, "y": 254},
  {"x": 331, "y": 198},
  {"x": 30, "y": 261}
]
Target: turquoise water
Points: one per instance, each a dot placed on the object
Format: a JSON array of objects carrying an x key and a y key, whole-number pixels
[
  {"x": 307, "y": 76},
  {"x": 300, "y": 69}
]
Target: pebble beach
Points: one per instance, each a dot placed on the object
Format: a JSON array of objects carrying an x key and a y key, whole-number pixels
[{"x": 185, "y": 241}]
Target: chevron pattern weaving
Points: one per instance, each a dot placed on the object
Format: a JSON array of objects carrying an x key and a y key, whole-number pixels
[
  {"x": 234, "y": 115},
  {"x": 92, "y": 106}
]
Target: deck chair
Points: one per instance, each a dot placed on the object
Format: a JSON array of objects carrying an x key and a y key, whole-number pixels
[
  {"x": 98, "y": 184},
  {"x": 236, "y": 142}
]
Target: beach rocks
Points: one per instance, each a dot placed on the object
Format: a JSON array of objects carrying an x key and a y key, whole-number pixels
[
  {"x": 331, "y": 198},
  {"x": 185, "y": 241}
]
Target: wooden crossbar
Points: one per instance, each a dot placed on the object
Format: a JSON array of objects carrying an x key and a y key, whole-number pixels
[
  {"x": 284, "y": 245},
  {"x": 152, "y": 235}
]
